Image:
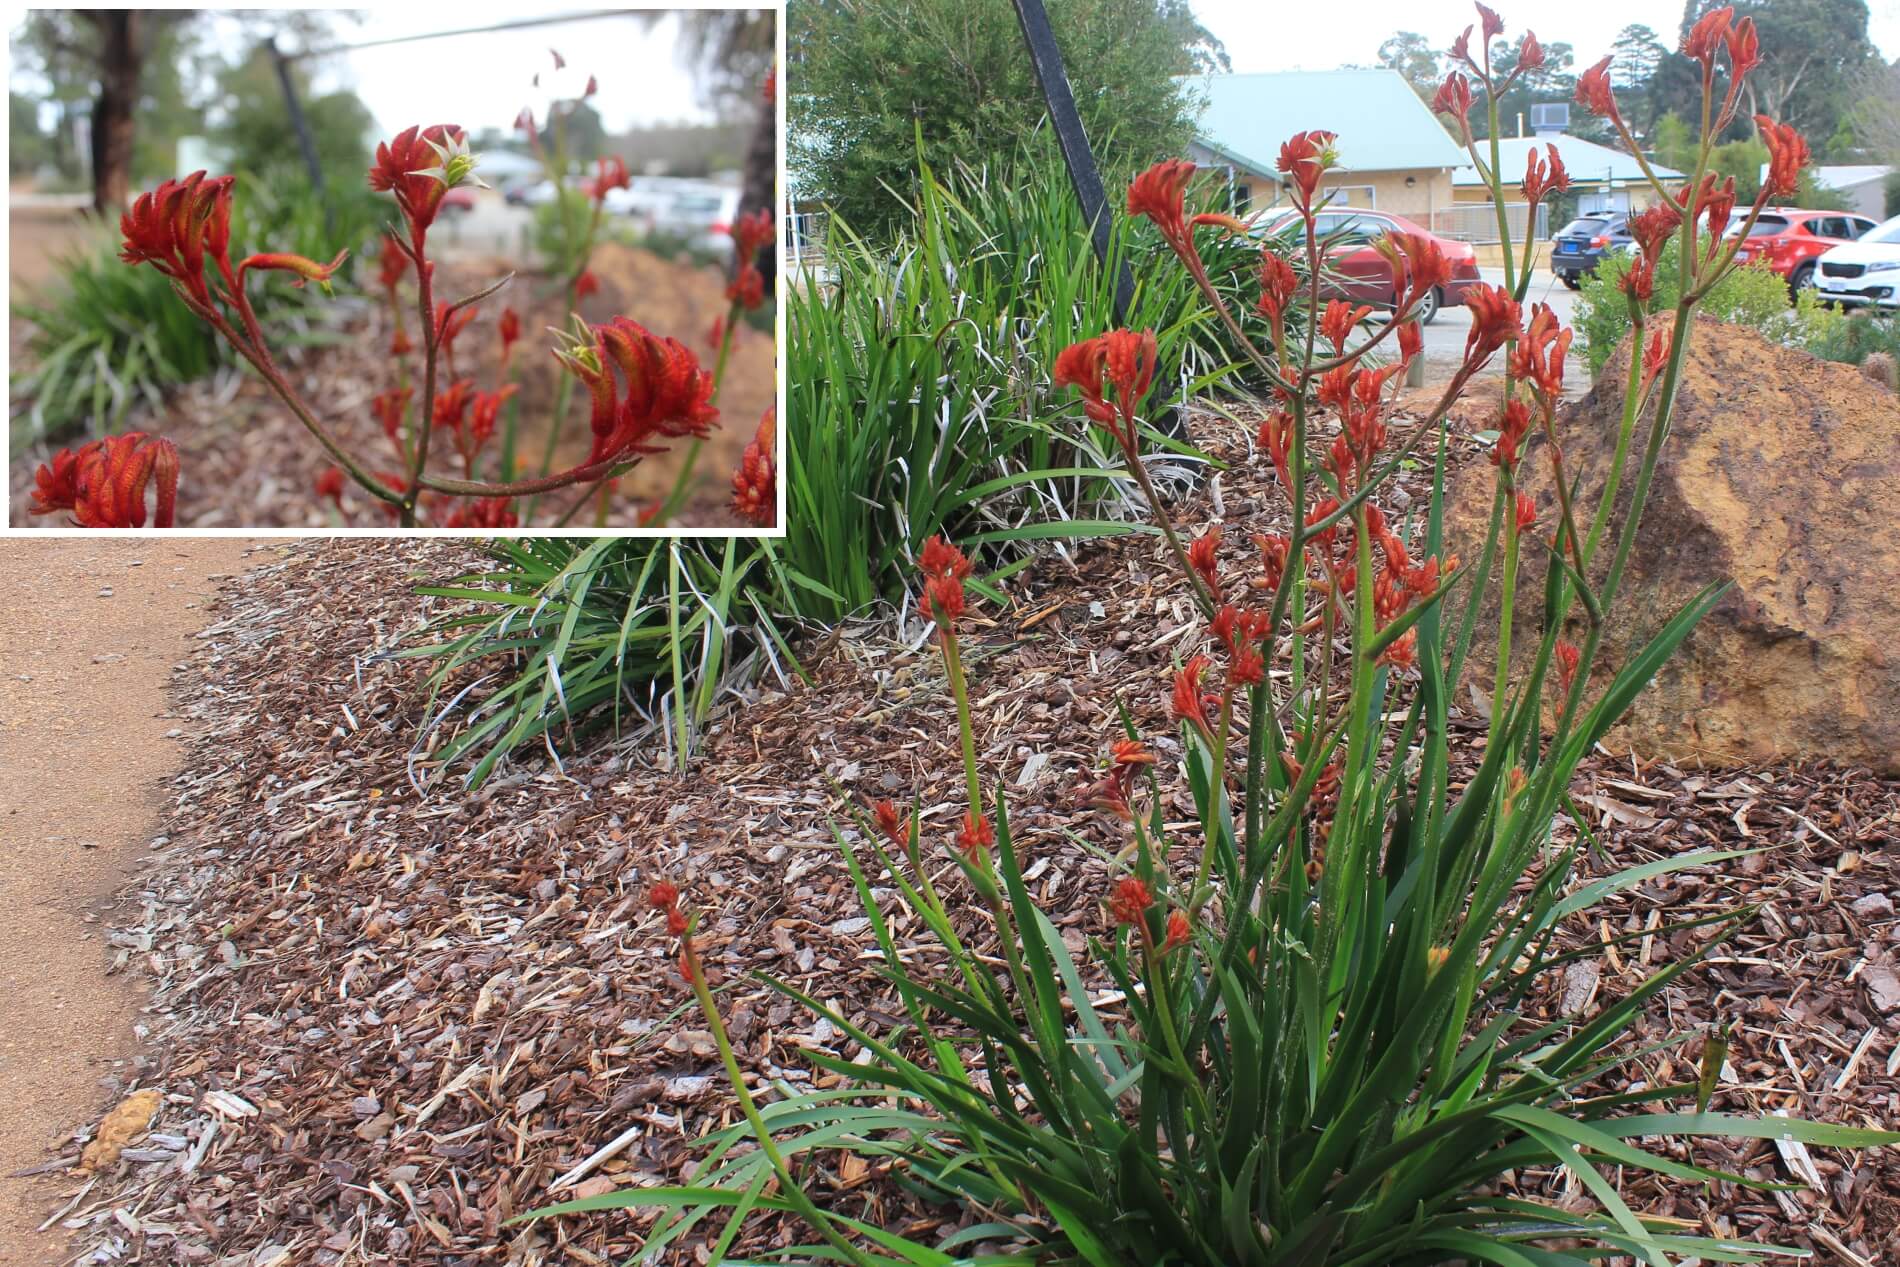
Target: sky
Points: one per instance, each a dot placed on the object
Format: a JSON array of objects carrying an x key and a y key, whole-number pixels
[
  {"x": 1313, "y": 37},
  {"x": 483, "y": 80}
]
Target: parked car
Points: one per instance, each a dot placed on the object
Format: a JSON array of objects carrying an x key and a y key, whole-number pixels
[
  {"x": 701, "y": 213},
  {"x": 644, "y": 199},
  {"x": 1792, "y": 241},
  {"x": 1365, "y": 276},
  {"x": 1864, "y": 271},
  {"x": 1578, "y": 247},
  {"x": 459, "y": 199}
]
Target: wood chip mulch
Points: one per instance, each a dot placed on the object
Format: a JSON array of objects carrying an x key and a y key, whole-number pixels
[{"x": 384, "y": 1021}]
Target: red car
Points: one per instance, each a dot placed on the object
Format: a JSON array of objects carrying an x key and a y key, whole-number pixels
[
  {"x": 1791, "y": 240},
  {"x": 1365, "y": 277}
]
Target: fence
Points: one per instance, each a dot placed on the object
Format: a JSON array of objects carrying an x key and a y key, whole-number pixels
[
  {"x": 1477, "y": 222},
  {"x": 805, "y": 240}
]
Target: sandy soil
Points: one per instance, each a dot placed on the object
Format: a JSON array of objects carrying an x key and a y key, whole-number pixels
[{"x": 91, "y": 629}]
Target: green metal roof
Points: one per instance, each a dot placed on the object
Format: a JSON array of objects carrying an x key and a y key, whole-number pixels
[
  {"x": 1587, "y": 162},
  {"x": 1382, "y": 125}
]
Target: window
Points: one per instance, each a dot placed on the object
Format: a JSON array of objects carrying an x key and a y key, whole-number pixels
[{"x": 1768, "y": 226}]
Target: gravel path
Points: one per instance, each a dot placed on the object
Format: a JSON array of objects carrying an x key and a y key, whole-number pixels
[{"x": 90, "y": 629}]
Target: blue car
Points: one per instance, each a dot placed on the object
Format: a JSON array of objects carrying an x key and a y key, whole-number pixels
[{"x": 1576, "y": 248}]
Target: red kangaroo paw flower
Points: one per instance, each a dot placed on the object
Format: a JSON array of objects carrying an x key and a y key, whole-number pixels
[
  {"x": 1454, "y": 98},
  {"x": 1121, "y": 359},
  {"x": 1787, "y": 155},
  {"x": 1203, "y": 555},
  {"x": 484, "y": 512},
  {"x": 1526, "y": 512},
  {"x": 103, "y": 483},
  {"x": 329, "y": 486},
  {"x": 1595, "y": 94},
  {"x": 1190, "y": 704},
  {"x": 976, "y": 833},
  {"x": 1179, "y": 930},
  {"x": 510, "y": 329},
  {"x": 1568, "y": 658},
  {"x": 584, "y": 285},
  {"x": 399, "y": 167},
  {"x": 891, "y": 823},
  {"x": 1159, "y": 194},
  {"x": 755, "y": 483},
  {"x": 1128, "y": 903},
  {"x": 1530, "y": 56},
  {"x": 1542, "y": 178},
  {"x": 945, "y": 569},
  {"x": 1305, "y": 158},
  {"x": 394, "y": 264},
  {"x": 1709, "y": 34},
  {"x": 609, "y": 173},
  {"x": 1494, "y": 320},
  {"x": 174, "y": 227}
]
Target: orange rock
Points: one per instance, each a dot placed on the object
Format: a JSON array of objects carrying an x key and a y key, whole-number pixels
[
  {"x": 125, "y": 1123},
  {"x": 1781, "y": 474}
]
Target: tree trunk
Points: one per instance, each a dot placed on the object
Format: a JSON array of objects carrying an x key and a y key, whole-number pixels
[
  {"x": 759, "y": 184},
  {"x": 112, "y": 118}
]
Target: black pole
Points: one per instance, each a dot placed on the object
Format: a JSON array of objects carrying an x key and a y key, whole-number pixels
[
  {"x": 297, "y": 121},
  {"x": 1076, "y": 154}
]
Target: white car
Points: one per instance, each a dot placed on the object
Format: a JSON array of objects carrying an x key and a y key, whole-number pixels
[
  {"x": 1866, "y": 271},
  {"x": 702, "y": 214}
]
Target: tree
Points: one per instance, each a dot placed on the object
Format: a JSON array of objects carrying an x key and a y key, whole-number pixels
[
  {"x": 1638, "y": 53},
  {"x": 1412, "y": 55},
  {"x": 1814, "y": 52},
  {"x": 27, "y": 144},
  {"x": 1554, "y": 81},
  {"x": 867, "y": 77},
  {"x": 254, "y": 120}
]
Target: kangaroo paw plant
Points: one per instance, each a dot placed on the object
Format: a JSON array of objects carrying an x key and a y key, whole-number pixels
[
  {"x": 1314, "y": 1030},
  {"x": 185, "y": 225}
]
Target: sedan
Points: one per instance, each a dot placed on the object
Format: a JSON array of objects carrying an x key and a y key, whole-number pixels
[
  {"x": 1864, "y": 271},
  {"x": 1577, "y": 248},
  {"x": 1791, "y": 242},
  {"x": 1364, "y": 275}
]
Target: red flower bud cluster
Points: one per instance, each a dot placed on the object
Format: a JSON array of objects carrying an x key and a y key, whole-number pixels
[
  {"x": 509, "y": 328},
  {"x": 1203, "y": 555},
  {"x": 975, "y": 835},
  {"x": 945, "y": 569},
  {"x": 1495, "y": 317},
  {"x": 755, "y": 483},
  {"x": 893, "y": 825},
  {"x": 1538, "y": 357},
  {"x": 1787, "y": 155},
  {"x": 586, "y": 284},
  {"x": 1121, "y": 359},
  {"x": 1115, "y": 790},
  {"x": 177, "y": 226},
  {"x": 1305, "y": 158},
  {"x": 1278, "y": 285},
  {"x": 609, "y": 173},
  {"x": 1242, "y": 632},
  {"x": 1568, "y": 658},
  {"x": 750, "y": 234},
  {"x": 664, "y": 897},
  {"x": 1191, "y": 704},
  {"x": 1339, "y": 320},
  {"x": 668, "y": 395},
  {"x": 1418, "y": 261},
  {"x": 1454, "y": 98},
  {"x": 1513, "y": 424},
  {"x": 1159, "y": 194},
  {"x": 103, "y": 483},
  {"x": 1129, "y": 902},
  {"x": 483, "y": 512},
  {"x": 1526, "y": 517},
  {"x": 399, "y": 167},
  {"x": 1544, "y": 177}
]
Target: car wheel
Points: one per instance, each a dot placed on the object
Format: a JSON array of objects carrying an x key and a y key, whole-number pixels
[
  {"x": 1802, "y": 278},
  {"x": 1571, "y": 280},
  {"x": 1428, "y": 307}
]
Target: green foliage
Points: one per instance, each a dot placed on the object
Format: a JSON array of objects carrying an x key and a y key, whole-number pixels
[
  {"x": 597, "y": 633},
  {"x": 259, "y": 133},
  {"x": 107, "y": 334},
  {"x": 1834, "y": 335},
  {"x": 863, "y": 80},
  {"x": 560, "y": 229},
  {"x": 1754, "y": 297},
  {"x": 919, "y": 399}
]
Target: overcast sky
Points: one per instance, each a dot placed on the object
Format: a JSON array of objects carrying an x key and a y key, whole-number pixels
[
  {"x": 483, "y": 80},
  {"x": 1300, "y": 36}
]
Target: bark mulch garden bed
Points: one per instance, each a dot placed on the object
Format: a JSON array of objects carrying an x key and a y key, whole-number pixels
[{"x": 388, "y": 1015}]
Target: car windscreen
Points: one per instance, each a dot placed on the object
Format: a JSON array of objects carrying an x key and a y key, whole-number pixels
[
  {"x": 1585, "y": 226},
  {"x": 1768, "y": 226},
  {"x": 1888, "y": 232}
]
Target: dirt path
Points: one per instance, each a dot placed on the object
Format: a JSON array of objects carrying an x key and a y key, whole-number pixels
[{"x": 89, "y": 632}]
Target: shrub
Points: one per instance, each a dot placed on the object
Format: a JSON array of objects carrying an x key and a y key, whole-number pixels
[
  {"x": 1754, "y": 297},
  {"x": 1328, "y": 1045}
]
